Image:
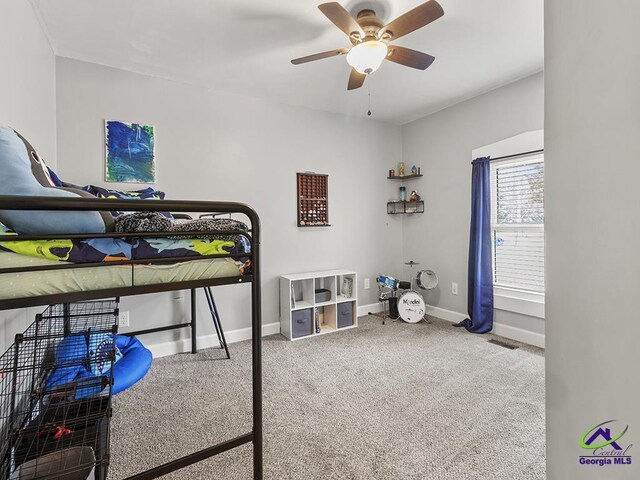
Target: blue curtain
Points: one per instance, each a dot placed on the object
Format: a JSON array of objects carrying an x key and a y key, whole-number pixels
[{"x": 480, "y": 288}]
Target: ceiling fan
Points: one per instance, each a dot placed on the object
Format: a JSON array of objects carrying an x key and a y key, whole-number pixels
[{"x": 370, "y": 39}]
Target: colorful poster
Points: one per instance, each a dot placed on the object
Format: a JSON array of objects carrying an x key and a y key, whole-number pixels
[{"x": 130, "y": 152}]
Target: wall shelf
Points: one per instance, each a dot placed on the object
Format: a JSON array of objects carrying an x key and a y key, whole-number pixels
[
  {"x": 405, "y": 208},
  {"x": 405, "y": 177}
]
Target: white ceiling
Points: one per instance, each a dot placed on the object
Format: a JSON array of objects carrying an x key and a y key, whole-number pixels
[{"x": 245, "y": 46}]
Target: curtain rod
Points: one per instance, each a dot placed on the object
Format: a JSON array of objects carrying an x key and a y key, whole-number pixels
[{"x": 517, "y": 155}]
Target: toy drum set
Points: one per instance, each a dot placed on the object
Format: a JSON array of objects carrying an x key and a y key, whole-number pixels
[{"x": 408, "y": 305}]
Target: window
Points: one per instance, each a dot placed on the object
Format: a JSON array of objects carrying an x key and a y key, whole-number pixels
[{"x": 517, "y": 210}]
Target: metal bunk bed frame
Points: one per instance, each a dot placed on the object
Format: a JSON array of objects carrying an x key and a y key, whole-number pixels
[{"x": 253, "y": 236}]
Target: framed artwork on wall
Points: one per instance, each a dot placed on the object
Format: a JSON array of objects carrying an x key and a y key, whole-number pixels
[{"x": 130, "y": 152}]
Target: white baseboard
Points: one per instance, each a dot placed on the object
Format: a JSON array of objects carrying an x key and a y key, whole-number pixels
[
  {"x": 371, "y": 308},
  {"x": 448, "y": 315},
  {"x": 519, "y": 334},
  {"x": 507, "y": 331},
  {"x": 209, "y": 341}
]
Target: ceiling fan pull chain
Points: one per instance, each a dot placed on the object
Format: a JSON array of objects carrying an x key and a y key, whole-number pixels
[{"x": 369, "y": 95}]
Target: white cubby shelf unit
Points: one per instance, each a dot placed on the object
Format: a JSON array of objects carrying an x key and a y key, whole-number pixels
[{"x": 302, "y": 317}]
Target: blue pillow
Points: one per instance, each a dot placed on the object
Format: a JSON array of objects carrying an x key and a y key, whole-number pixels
[
  {"x": 18, "y": 170},
  {"x": 100, "y": 347}
]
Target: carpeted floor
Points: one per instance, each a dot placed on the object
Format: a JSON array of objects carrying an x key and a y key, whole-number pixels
[{"x": 395, "y": 401}]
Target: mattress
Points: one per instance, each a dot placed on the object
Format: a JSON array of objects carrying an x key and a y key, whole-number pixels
[{"x": 110, "y": 275}]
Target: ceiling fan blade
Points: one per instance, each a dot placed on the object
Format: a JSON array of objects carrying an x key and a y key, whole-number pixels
[
  {"x": 341, "y": 18},
  {"x": 412, "y": 20},
  {"x": 320, "y": 56},
  {"x": 409, "y": 58},
  {"x": 356, "y": 79}
]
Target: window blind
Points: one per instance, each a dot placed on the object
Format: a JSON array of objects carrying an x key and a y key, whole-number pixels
[{"x": 518, "y": 223}]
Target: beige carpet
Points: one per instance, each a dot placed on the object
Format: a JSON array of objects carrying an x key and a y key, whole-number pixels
[{"x": 395, "y": 401}]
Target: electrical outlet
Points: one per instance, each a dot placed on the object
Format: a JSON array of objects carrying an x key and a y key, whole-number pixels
[
  {"x": 367, "y": 283},
  {"x": 454, "y": 288},
  {"x": 178, "y": 295},
  {"x": 123, "y": 319}
]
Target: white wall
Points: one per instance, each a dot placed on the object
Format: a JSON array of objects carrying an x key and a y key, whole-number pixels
[
  {"x": 218, "y": 146},
  {"x": 441, "y": 144},
  {"x": 27, "y": 77},
  {"x": 27, "y": 102},
  {"x": 592, "y": 172}
]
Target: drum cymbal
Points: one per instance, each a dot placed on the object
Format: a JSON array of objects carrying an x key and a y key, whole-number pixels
[{"x": 412, "y": 263}]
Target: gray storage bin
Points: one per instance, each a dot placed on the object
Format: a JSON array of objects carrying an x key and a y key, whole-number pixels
[
  {"x": 323, "y": 295},
  {"x": 345, "y": 314},
  {"x": 301, "y": 323}
]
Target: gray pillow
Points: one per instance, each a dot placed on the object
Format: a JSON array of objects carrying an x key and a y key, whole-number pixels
[{"x": 22, "y": 172}]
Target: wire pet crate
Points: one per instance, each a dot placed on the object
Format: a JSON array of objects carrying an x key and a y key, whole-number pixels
[{"x": 55, "y": 393}]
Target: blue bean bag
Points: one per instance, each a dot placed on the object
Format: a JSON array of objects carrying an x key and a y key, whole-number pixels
[
  {"x": 72, "y": 370},
  {"x": 134, "y": 364}
]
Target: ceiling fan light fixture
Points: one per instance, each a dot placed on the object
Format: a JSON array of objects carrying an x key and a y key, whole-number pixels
[{"x": 366, "y": 57}]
